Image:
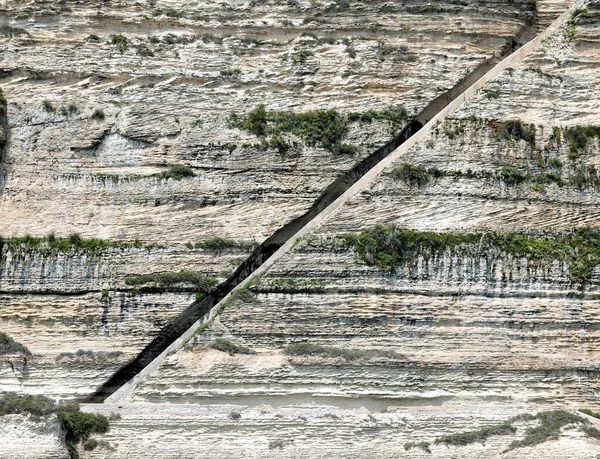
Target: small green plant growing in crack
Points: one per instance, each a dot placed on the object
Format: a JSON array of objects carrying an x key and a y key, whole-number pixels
[
  {"x": 121, "y": 42},
  {"x": 349, "y": 355},
  {"x": 47, "y": 106},
  {"x": 516, "y": 130},
  {"x": 301, "y": 56},
  {"x": 231, "y": 348},
  {"x": 10, "y": 346},
  {"x": 177, "y": 172},
  {"x": 411, "y": 174}
]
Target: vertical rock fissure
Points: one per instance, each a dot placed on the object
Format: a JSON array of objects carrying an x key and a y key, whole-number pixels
[{"x": 263, "y": 252}]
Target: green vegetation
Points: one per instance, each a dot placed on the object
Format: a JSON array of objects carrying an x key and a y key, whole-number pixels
[
  {"x": 167, "y": 280},
  {"x": 473, "y": 436},
  {"x": 350, "y": 355},
  {"x": 90, "y": 445},
  {"x": 224, "y": 345},
  {"x": 584, "y": 177},
  {"x": 230, "y": 73},
  {"x": 177, "y": 172},
  {"x": 590, "y": 413},
  {"x": 10, "y": 346},
  {"x": 344, "y": 149},
  {"x": 454, "y": 133},
  {"x": 512, "y": 176},
  {"x": 424, "y": 445},
  {"x": 551, "y": 424},
  {"x": 413, "y": 175},
  {"x": 571, "y": 28},
  {"x": 74, "y": 243},
  {"x": 491, "y": 93},
  {"x": 37, "y": 405},
  {"x": 47, "y": 106},
  {"x": 120, "y": 41},
  {"x": 579, "y": 137},
  {"x": 555, "y": 163},
  {"x": 301, "y": 56},
  {"x": 218, "y": 244},
  {"x": 395, "y": 116},
  {"x": 77, "y": 424},
  {"x": 516, "y": 130},
  {"x": 324, "y": 128},
  {"x": 388, "y": 247}
]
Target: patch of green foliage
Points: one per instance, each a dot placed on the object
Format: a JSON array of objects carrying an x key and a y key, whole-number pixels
[
  {"x": 74, "y": 243},
  {"x": 454, "y": 133},
  {"x": 37, "y": 405},
  {"x": 424, "y": 445},
  {"x": 579, "y": 137},
  {"x": 165, "y": 280},
  {"x": 350, "y": 355},
  {"x": 491, "y": 93},
  {"x": 120, "y": 41},
  {"x": 590, "y": 413},
  {"x": 388, "y": 247},
  {"x": 47, "y": 106},
  {"x": 218, "y": 244},
  {"x": 396, "y": 116},
  {"x": 571, "y": 27},
  {"x": 513, "y": 176},
  {"x": 301, "y": 56},
  {"x": 476, "y": 436},
  {"x": 550, "y": 426},
  {"x": 230, "y": 73},
  {"x": 90, "y": 445},
  {"x": 584, "y": 177},
  {"x": 177, "y": 172},
  {"x": 79, "y": 426},
  {"x": 324, "y": 128},
  {"x": 411, "y": 174},
  {"x": 231, "y": 348},
  {"x": 516, "y": 130},
  {"x": 10, "y": 346},
  {"x": 344, "y": 149}
]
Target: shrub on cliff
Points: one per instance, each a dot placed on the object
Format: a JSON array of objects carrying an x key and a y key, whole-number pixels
[
  {"x": 512, "y": 176},
  {"x": 516, "y": 130},
  {"x": 10, "y": 346},
  {"x": 177, "y": 172},
  {"x": 231, "y": 348},
  {"x": 413, "y": 175},
  {"x": 38, "y": 405}
]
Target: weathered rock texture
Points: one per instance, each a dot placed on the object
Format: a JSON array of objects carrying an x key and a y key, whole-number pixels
[
  {"x": 469, "y": 328},
  {"x": 102, "y": 98},
  {"x": 60, "y": 303}
]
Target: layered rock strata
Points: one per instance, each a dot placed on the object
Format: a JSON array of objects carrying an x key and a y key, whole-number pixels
[{"x": 443, "y": 332}]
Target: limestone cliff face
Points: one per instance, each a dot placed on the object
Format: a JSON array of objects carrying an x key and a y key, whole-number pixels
[
  {"x": 78, "y": 315},
  {"x": 477, "y": 336},
  {"x": 103, "y": 98}
]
